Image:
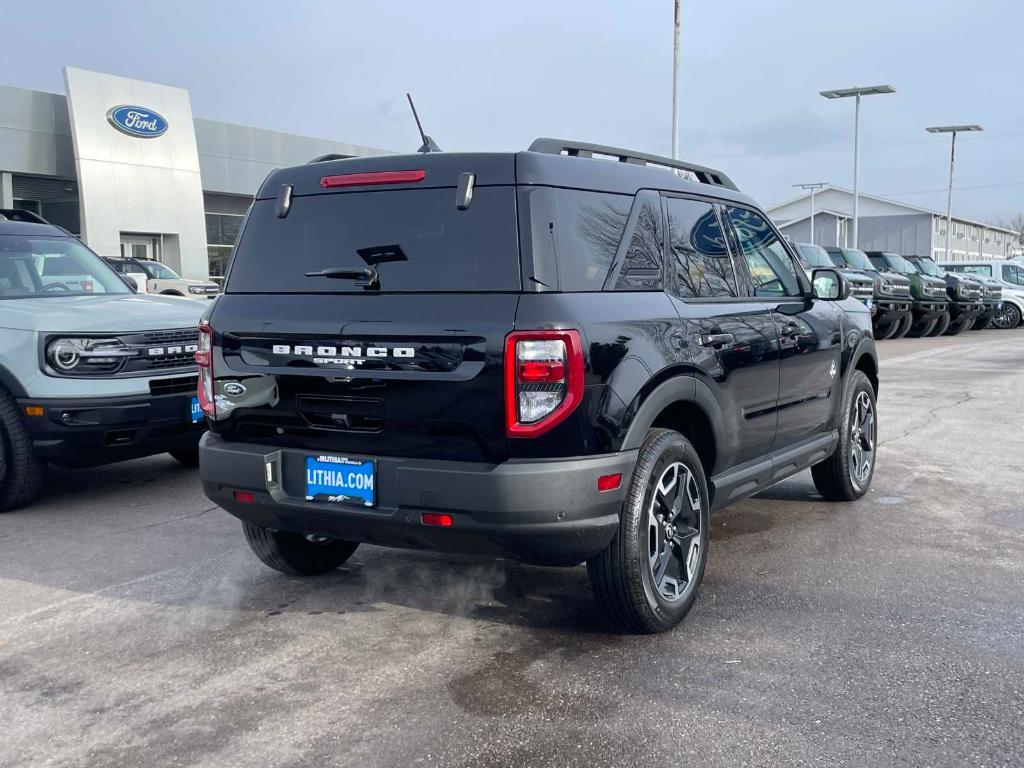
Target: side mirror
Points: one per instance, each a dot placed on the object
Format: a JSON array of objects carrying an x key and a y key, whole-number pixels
[{"x": 830, "y": 285}]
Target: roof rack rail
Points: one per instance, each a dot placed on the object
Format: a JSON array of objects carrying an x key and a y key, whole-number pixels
[
  {"x": 583, "y": 149},
  {"x": 325, "y": 158},
  {"x": 19, "y": 214}
]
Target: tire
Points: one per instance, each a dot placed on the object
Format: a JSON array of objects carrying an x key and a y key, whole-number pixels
[
  {"x": 1009, "y": 318},
  {"x": 188, "y": 457},
  {"x": 920, "y": 330},
  {"x": 23, "y": 471},
  {"x": 981, "y": 323},
  {"x": 958, "y": 327},
  {"x": 623, "y": 575},
  {"x": 834, "y": 477},
  {"x": 941, "y": 324},
  {"x": 294, "y": 554},
  {"x": 904, "y": 326},
  {"x": 884, "y": 331}
]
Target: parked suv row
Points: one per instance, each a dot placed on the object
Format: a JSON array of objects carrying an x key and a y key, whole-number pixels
[{"x": 538, "y": 354}]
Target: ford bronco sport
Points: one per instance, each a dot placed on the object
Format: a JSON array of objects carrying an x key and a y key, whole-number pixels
[
  {"x": 562, "y": 355},
  {"x": 90, "y": 372}
]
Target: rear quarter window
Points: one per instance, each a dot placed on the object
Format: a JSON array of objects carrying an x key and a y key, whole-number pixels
[{"x": 573, "y": 236}]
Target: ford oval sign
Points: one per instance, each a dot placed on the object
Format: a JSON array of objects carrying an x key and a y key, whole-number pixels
[{"x": 137, "y": 121}]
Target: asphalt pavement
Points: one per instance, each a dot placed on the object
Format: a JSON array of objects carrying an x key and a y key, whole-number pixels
[{"x": 137, "y": 629}]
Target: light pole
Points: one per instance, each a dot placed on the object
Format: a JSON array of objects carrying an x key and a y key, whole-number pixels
[
  {"x": 953, "y": 129},
  {"x": 843, "y": 93},
  {"x": 675, "y": 82},
  {"x": 812, "y": 186}
]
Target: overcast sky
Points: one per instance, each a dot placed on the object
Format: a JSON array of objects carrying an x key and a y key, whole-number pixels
[{"x": 494, "y": 75}]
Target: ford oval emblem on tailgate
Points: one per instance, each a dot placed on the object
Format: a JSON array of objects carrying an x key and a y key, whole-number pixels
[
  {"x": 137, "y": 121},
  {"x": 234, "y": 389}
]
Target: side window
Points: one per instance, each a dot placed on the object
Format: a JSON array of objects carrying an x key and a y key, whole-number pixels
[
  {"x": 641, "y": 263},
  {"x": 978, "y": 269},
  {"x": 771, "y": 269},
  {"x": 578, "y": 232},
  {"x": 1013, "y": 274},
  {"x": 699, "y": 261}
]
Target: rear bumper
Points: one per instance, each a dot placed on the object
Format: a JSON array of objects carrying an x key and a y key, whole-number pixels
[
  {"x": 85, "y": 432},
  {"x": 547, "y": 511}
]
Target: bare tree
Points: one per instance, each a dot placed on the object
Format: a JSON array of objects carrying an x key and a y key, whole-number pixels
[{"x": 1016, "y": 223}]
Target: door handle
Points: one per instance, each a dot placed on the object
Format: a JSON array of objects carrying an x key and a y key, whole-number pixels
[{"x": 717, "y": 340}]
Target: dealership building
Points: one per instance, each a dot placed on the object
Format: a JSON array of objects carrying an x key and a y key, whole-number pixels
[
  {"x": 124, "y": 165},
  {"x": 887, "y": 225}
]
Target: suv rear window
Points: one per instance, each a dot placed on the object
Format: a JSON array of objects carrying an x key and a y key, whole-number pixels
[{"x": 417, "y": 239}]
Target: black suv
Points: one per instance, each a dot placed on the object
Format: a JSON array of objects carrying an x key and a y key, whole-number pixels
[
  {"x": 893, "y": 309},
  {"x": 537, "y": 354}
]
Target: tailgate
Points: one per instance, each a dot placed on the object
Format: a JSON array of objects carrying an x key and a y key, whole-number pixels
[{"x": 410, "y": 375}]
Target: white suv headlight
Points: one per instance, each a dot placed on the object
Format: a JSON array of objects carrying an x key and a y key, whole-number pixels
[{"x": 78, "y": 356}]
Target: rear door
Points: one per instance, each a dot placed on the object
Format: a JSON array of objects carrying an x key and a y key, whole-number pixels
[
  {"x": 408, "y": 366},
  {"x": 731, "y": 336},
  {"x": 809, "y": 330}
]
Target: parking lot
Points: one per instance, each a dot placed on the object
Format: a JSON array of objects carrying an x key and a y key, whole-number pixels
[{"x": 136, "y": 627}]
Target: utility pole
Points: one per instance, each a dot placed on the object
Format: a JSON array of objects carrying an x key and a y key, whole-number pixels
[
  {"x": 675, "y": 82},
  {"x": 954, "y": 130},
  {"x": 812, "y": 186}
]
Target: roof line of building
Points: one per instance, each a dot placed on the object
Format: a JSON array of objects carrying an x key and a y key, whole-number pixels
[{"x": 897, "y": 203}]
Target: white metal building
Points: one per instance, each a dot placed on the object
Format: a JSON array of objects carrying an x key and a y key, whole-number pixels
[
  {"x": 125, "y": 165},
  {"x": 887, "y": 225}
]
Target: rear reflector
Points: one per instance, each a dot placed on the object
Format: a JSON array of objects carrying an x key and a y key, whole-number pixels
[
  {"x": 431, "y": 518},
  {"x": 609, "y": 482},
  {"x": 378, "y": 177},
  {"x": 244, "y": 497}
]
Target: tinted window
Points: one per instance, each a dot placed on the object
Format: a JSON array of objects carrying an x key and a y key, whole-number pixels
[
  {"x": 770, "y": 265},
  {"x": 699, "y": 259},
  {"x": 641, "y": 264},
  {"x": 837, "y": 258},
  {"x": 577, "y": 233},
  {"x": 416, "y": 238},
  {"x": 879, "y": 262}
]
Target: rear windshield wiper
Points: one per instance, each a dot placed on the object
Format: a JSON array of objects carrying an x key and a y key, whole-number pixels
[{"x": 366, "y": 277}]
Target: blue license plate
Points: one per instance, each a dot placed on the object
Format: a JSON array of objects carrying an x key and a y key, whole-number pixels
[
  {"x": 337, "y": 479},
  {"x": 197, "y": 412}
]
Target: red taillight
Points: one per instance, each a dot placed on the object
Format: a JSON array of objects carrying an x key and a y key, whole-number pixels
[
  {"x": 609, "y": 482},
  {"x": 244, "y": 497},
  {"x": 543, "y": 380},
  {"x": 431, "y": 518},
  {"x": 204, "y": 362},
  {"x": 377, "y": 177}
]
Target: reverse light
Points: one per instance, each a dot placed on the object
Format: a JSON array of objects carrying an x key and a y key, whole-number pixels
[
  {"x": 543, "y": 380},
  {"x": 204, "y": 362},
  {"x": 377, "y": 177}
]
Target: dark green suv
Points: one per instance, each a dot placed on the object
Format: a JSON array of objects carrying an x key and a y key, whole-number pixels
[{"x": 928, "y": 293}]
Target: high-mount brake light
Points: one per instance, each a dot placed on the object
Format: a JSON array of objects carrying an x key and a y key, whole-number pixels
[
  {"x": 204, "y": 362},
  {"x": 543, "y": 380},
  {"x": 376, "y": 177}
]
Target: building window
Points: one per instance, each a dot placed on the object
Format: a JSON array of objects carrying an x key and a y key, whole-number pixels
[{"x": 221, "y": 233}]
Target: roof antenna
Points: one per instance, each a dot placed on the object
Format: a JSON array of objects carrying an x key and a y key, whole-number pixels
[{"x": 429, "y": 145}]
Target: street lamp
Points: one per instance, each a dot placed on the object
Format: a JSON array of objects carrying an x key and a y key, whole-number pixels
[
  {"x": 812, "y": 186},
  {"x": 675, "y": 83},
  {"x": 843, "y": 93},
  {"x": 953, "y": 129}
]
